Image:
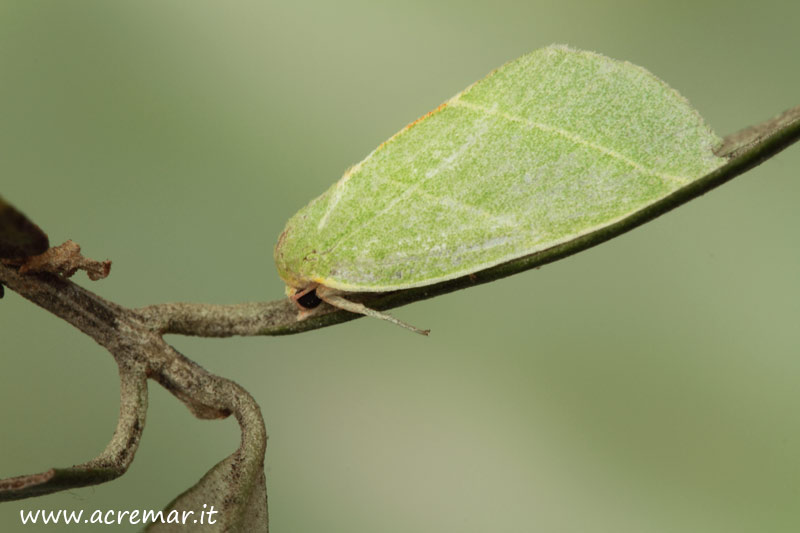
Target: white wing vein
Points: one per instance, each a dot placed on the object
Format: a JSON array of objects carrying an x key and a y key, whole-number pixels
[{"x": 570, "y": 136}]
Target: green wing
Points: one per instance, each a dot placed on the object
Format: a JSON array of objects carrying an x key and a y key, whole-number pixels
[{"x": 549, "y": 147}]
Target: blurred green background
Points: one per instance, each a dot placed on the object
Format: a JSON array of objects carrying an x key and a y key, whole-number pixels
[{"x": 647, "y": 385}]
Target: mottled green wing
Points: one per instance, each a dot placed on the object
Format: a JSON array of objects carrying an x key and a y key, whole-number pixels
[{"x": 549, "y": 147}]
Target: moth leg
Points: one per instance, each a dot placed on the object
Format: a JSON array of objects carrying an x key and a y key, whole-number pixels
[{"x": 335, "y": 300}]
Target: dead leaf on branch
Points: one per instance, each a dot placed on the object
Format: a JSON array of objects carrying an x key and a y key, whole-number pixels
[{"x": 65, "y": 260}]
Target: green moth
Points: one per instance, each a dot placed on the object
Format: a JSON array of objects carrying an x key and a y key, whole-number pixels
[{"x": 547, "y": 148}]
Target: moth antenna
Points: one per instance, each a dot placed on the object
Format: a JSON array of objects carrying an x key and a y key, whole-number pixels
[{"x": 361, "y": 309}]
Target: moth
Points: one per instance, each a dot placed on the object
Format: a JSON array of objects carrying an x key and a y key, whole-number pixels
[{"x": 554, "y": 145}]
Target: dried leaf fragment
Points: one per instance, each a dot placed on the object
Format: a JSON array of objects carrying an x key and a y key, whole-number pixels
[{"x": 65, "y": 260}]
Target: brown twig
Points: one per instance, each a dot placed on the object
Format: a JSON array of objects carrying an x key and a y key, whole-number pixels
[{"x": 235, "y": 486}]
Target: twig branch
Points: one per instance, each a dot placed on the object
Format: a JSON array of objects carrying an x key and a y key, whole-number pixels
[
  {"x": 112, "y": 463},
  {"x": 235, "y": 486}
]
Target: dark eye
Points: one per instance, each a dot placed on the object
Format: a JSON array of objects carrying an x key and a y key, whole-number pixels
[{"x": 309, "y": 300}]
